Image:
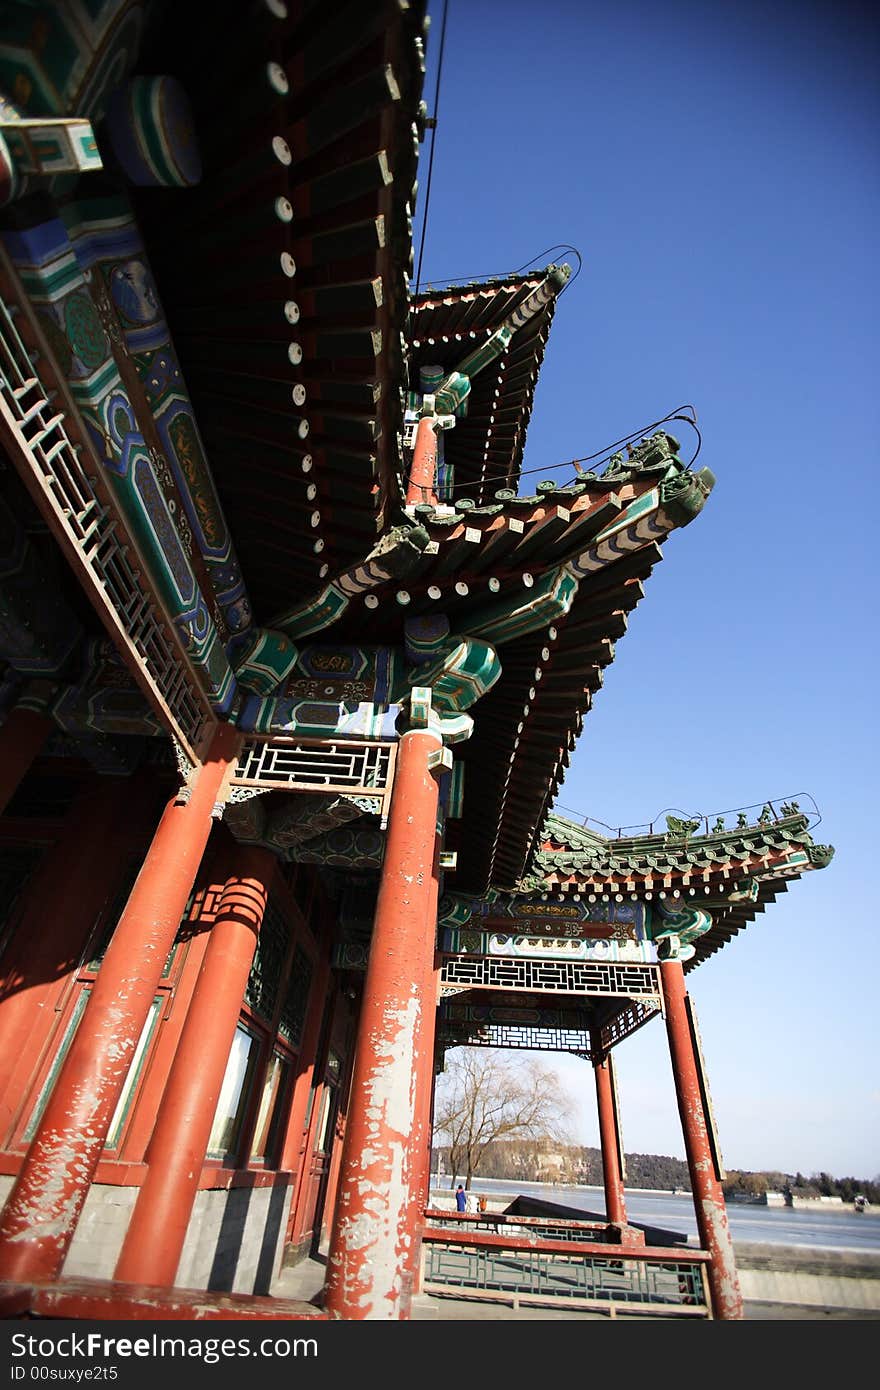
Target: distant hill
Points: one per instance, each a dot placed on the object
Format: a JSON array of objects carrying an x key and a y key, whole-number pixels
[
  {"x": 526, "y": 1160},
  {"x": 529, "y": 1160}
]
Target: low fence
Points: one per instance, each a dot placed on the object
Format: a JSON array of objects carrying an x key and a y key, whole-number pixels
[
  {"x": 528, "y": 1228},
  {"x": 583, "y": 1273}
]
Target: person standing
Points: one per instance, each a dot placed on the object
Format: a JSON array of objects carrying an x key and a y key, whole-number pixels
[{"x": 460, "y": 1198}]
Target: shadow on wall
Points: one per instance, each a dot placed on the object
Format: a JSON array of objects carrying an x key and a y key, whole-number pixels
[{"x": 245, "y": 1252}]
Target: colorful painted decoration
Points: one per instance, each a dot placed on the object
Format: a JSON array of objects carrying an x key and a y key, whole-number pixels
[
  {"x": 266, "y": 659},
  {"x": 452, "y": 394},
  {"x": 398, "y": 550},
  {"x": 345, "y": 849},
  {"x": 420, "y": 706},
  {"x": 69, "y": 300},
  {"x": 51, "y": 146},
  {"x": 65, "y": 58},
  {"x": 619, "y": 946},
  {"x": 430, "y": 378},
  {"x": 525, "y": 610},
  {"x": 461, "y": 675},
  {"x": 109, "y": 248},
  {"x": 538, "y": 914},
  {"x": 150, "y": 127},
  {"x": 343, "y": 719},
  {"x": 637, "y": 525},
  {"x": 302, "y": 818},
  {"x": 497, "y": 343},
  {"x": 678, "y": 928},
  {"x": 342, "y": 691},
  {"x": 424, "y": 637},
  {"x": 452, "y": 791},
  {"x": 105, "y": 698}
]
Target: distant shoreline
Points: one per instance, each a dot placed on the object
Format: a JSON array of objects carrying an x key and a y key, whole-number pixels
[{"x": 513, "y": 1186}]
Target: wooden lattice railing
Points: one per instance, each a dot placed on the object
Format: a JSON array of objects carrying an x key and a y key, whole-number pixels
[{"x": 585, "y": 1273}]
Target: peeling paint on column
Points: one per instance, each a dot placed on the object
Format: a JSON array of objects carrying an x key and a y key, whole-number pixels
[
  {"x": 383, "y": 1163},
  {"x": 375, "y": 1244},
  {"x": 708, "y": 1198}
]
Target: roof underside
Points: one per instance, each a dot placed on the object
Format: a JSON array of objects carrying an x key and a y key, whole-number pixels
[
  {"x": 302, "y": 509},
  {"x": 486, "y": 445},
  {"x": 295, "y": 245},
  {"x": 528, "y": 722}
]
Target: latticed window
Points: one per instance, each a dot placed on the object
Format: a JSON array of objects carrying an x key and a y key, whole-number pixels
[
  {"x": 293, "y": 1012},
  {"x": 261, "y": 993}
]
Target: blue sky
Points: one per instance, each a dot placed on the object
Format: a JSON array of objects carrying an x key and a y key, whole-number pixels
[{"x": 718, "y": 168}]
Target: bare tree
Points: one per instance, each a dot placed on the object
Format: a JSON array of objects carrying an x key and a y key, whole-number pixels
[{"x": 482, "y": 1097}]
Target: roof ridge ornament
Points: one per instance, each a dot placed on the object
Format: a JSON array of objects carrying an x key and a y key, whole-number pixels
[{"x": 677, "y": 827}]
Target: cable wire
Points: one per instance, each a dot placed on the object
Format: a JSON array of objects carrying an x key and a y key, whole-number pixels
[
  {"x": 433, "y": 138},
  {"x": 603, "y": 455},
  {"x": 436, "y": 282}
]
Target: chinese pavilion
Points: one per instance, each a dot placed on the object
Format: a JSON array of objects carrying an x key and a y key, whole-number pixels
[{"x": 290, "y": 674}]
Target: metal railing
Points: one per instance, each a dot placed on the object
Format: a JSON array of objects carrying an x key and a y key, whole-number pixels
[
  {"x": 770, "y": 811},
  {"x": 527, "y": 1228},
  {"x": 604, "y": 1278}
]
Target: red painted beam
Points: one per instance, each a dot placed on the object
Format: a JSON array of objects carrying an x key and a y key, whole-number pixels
[
  {"x": 671, "y": 1254},
  {"x": 102, "y": 1300}
]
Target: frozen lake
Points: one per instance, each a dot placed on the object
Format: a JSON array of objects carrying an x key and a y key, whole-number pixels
[{"x": 832, "y": 1230}]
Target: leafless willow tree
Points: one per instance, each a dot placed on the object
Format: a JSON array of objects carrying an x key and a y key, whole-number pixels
[{"x": 483, "y": 1097}]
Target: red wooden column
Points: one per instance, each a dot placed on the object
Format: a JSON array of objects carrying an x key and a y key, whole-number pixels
[
  {"x": 156, "y": 1233},
  {"x": 41, "y": 1213},
  {"x": 423, "y": 471},
  {"x": 423, "y": 1128},
  {"x": 69, "y": 890},
  {"x": 609, "y": 1135},
  {"x": 22, "y": 736},
  {"x": 708, "y": 1198},
  {"x": 431, "y": 988},
  {"x": 426, "y": 1081},
  {"x": 374, "y": 1248}
]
